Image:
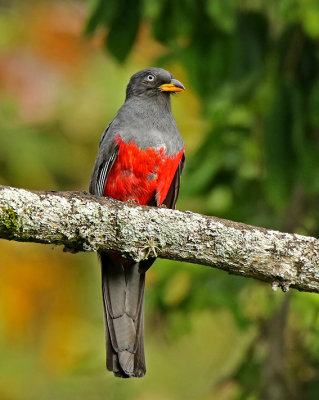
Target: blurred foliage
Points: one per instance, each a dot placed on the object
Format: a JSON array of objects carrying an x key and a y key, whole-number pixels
[
  {"x": 254, "y": 66},
  {"x": 250, "y": 123}
]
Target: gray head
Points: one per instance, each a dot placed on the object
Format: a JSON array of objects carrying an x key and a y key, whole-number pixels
[{"x": 151, "y": 82}]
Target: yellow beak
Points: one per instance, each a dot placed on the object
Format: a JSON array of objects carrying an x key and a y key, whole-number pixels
[{"x": 173, "y": 86}]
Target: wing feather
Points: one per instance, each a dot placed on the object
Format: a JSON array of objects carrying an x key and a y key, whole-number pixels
[
  {"x": 103, "y": 164},
  {"x": 172, "y": 194}
]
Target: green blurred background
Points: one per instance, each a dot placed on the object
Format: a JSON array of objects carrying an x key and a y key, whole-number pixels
[{"x": 250, "y": 122}]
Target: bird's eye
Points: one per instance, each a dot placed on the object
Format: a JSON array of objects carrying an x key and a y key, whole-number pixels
[{"x": 150, "y": 77}]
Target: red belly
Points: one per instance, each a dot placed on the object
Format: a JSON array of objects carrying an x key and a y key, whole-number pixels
[{"x": 139, "y": 174}]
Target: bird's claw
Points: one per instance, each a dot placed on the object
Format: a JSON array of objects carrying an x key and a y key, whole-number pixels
[
  {"x": 150, "y": 248},
  {"x": 132, "y": 202}
]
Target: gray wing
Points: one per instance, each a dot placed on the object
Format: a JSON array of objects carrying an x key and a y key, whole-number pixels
[
  {"x": 172, "y": 194},
  {"x": 105, "y": 159}
]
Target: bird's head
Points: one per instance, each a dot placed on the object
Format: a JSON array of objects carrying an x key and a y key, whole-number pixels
[{"x": 151, "y": 82}]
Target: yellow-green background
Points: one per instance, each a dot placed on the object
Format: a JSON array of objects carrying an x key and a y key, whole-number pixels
[{"x": 249, "y": 119}]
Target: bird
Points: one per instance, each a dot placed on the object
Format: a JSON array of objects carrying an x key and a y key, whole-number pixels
[{"x": 140, "y": 159}]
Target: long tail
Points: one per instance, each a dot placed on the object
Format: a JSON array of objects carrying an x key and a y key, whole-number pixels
[{"x": 123, "y": 299}]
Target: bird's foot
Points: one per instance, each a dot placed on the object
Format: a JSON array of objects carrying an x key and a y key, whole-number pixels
[
  {"x": 149, "y": 248},
  {"x": 132, "y": 202}
]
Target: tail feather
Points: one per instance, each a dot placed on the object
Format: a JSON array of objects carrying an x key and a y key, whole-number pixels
[{"x": 123, "y": 298}]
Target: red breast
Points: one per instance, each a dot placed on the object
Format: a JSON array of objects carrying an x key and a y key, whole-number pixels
[{"x": 137, "y": 174}]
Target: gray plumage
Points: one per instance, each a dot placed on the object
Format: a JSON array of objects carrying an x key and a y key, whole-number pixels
[{"x": 145, "y": 119}]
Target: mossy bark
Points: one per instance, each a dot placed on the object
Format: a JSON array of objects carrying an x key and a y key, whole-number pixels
[{"x": 82, "y": 222}]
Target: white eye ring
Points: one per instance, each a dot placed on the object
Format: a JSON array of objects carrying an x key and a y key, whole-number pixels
[{"x": 150, "y": 77}]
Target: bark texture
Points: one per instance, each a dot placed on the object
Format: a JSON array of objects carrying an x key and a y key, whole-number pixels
[{"x": 82, "y": 222}]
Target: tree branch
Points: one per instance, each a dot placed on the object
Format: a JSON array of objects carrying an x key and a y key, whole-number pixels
[{"x": 82, "y": 222}]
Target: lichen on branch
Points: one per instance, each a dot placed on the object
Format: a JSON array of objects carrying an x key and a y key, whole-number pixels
[{"x": 82, "y": 222}]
